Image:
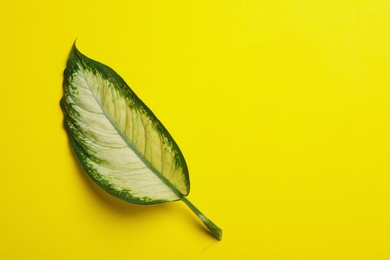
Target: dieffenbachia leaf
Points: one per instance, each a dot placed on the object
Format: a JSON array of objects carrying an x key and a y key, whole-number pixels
[{"x": 117, "y": 139}]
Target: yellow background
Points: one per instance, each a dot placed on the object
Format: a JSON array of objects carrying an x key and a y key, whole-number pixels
[{"x": 281, "y": 109}]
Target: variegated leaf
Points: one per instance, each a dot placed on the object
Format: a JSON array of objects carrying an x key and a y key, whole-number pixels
[{"x": 117, "y": 139}]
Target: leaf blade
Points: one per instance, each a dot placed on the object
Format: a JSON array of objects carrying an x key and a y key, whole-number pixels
[{"x": 111, "y": 127}]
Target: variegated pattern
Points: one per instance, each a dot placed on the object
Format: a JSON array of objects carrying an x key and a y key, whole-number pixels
[{"x": 119, "y": 142}]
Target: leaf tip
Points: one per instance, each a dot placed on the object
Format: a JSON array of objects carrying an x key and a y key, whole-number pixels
[{"x": 74, "y": 47}]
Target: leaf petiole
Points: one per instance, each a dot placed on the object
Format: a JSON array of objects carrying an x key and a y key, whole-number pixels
[{"x": 215, "y": 230}]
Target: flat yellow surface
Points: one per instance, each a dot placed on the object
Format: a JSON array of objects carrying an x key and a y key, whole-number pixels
[{"x": 281, "y": 108}]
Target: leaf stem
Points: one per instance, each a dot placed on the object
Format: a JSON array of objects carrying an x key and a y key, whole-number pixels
[{"x": 215, "y": 230}]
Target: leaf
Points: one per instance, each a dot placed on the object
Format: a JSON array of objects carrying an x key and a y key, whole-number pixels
[{"x": 118, "y": 140}]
